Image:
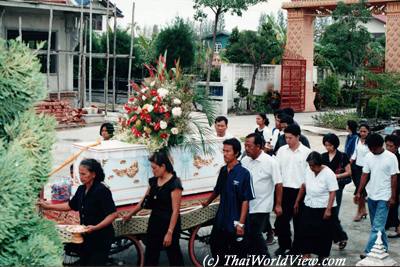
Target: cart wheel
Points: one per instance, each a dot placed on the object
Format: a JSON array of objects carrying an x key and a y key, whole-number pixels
[
  {"x": 199, "y": 244},
  {"x": 121, "y": 252}
]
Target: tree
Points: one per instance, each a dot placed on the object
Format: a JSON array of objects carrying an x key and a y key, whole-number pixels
[
  {"x": 26, "y": 141},
  {"x": 255, "y": 48},
  {"x": 178, "y": 40},
  {"x": 220, "y": 7},
  {"x": 344, "y": 43}
]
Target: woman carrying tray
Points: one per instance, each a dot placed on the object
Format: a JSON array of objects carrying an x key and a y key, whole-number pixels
[
  {"x": 163, "y": 197},
  {"x": 97, "y": 211}
]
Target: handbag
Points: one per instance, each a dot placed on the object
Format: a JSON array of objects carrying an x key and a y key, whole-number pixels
[{"x": 342, "y": 182}]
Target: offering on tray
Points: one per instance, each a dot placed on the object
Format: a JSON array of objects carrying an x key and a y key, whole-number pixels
[{"x": 72, "y": 233}]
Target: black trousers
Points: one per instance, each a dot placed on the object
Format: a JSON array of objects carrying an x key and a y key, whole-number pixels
[
  {"x": 282, "y": 223},
  {"x": 338, "y": 233},
  {"x": 256, "y": 241},
  {"x": 174, "y": 254},
  {"x": 225, "y": 243},
  {"x": 267, "y": 227}
]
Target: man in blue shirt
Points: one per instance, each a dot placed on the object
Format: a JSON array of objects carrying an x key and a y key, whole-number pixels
[{"x": 235, "y": 188}]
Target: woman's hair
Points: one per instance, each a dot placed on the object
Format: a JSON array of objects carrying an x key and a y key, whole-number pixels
[
  {"x": 264, "y": 117},
  {"x": 93, "y": 165},
  {"x": 374, "y": 140},
  {"x": 331, "y": 139},
  {"x": 314, "y": 158},
  {"x": 396, "y": 132},
  {"x": 109, "y": 128},
  {"x": 366, "y": 126},
  {"x": 352, "y": 126},
  {"x": 160, "y": 158}
]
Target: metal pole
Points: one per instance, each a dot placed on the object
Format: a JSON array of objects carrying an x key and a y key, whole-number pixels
[
  {"x": 90, "y": 52},
  {"x": 107, "y": 59},
  {"x": 84, "y": 61},
  {"x": 49, "y": 48},
  {"x": 131, "y": 48},
  {"x": 115, "y": 57},
  {"x": 20, "y": 27},
  {"x": 81, "y": 94}
]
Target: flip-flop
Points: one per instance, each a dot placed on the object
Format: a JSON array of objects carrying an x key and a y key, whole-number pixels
[
  {"x": 342, "y": 244},
  {"x": 397, "y": 235}
]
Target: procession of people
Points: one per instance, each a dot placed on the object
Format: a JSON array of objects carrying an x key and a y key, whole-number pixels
[{"x": 278, "y": 172}]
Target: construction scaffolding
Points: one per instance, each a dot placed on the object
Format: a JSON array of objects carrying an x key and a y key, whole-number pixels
[{"x": 85, "y": 28}]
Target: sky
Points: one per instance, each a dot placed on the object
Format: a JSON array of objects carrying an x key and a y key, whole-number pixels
[{"x": 161, "y": 12}]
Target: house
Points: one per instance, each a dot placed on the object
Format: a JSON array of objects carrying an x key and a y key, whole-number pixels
[
  {"x": 377, "y": 26},
  {"x": 31, "y": 18},
  {"x": 221, "y": 41}
]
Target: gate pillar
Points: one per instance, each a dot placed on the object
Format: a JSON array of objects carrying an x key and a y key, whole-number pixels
[
  {"x": 392, "y": 60},
  {"x": 300, "y": 42}
]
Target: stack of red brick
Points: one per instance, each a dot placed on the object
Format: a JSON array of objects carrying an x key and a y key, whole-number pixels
[{"x": 61, "y": 110}]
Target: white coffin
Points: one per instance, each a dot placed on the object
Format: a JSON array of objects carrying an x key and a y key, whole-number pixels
[{"x": 128, "y": 169}]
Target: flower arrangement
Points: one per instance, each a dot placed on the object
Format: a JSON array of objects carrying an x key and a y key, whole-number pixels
[{"x": 158, "y": 113}]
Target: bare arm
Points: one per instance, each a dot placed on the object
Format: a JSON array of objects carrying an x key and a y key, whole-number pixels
[
  {"x": 278, "y": 199},
  {"x": 138, "y": 207},
  {"x": 328, "y": 210},
  {"x": 210, "y": 199},
  {"x": 299, "y": 198},
  {"x": 363, "y": 182},
  {"x": 347, "y": 172},
  {"x": 392, "y": 200},
  {"x": 243, "y": 211},
  {"x": 104, "y": 223},
  {"x": 59, "y": 207},
  {"x": 176, "y": 197}
]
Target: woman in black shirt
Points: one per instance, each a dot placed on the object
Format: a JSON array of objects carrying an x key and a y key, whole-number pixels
[
  {"x": 97, "y": 211},
  {"x": 163, "y": 197},
  {"x": 339, "y": 163}
]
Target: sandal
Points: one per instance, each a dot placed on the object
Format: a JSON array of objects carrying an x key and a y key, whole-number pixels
[{"x": 342, "y": 244}]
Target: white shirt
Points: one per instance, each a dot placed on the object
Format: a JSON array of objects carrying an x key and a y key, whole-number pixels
[
  {"x": 265, "y": 175},
  {"x": 275, "y": 135},
  {"x": 267, "y": 133},
  {"x": 318, "y": 188},
  {"x": 381, "y": 167},
  {"x": 228, "y": 135},
  {"x": 293, "y": 165},
  {"x": 359, "y": 153}
]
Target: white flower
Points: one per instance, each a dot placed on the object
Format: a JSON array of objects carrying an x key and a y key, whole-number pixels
[
  {"x": 165, "y": 108},
  {"x": 163, "y": 125},
  {"x": 174, "y": 131},
  {"x": 177, "y": 102},
  {"x": 138, "y": 110},
  {"x": 153, "y": 83},
  {"x": 176, "y": 112},
  {"x": 148, "y": 107},
  {"x": 162, "y": 92},
  {"x": 144, "y": 97},
  {"x": 144, "y": 90}
]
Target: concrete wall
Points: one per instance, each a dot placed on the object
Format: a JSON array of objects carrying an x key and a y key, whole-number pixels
[
  {"x": 375, "y": 26},
  {"x": 63, "y": 26},
  {"x": 269, "y": 76}
]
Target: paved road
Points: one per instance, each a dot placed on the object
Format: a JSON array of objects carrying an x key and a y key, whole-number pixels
[{"x": 240, "y": 126}]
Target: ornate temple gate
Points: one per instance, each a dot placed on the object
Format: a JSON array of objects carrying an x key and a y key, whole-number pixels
[
  {"x": 293, "y": 82},
  {"x": 300, "y": 38}
]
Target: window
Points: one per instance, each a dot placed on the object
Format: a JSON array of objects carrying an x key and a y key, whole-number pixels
[
  {"x": 32, "y": 39},
  {"x": 216, "y": 91},
  {"x": 97, "y": 22},
  {"x": 218, "y": 47}
]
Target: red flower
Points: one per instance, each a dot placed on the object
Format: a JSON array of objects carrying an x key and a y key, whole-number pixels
[
  {"x": 157, "y": 126},
  {"x": 164, "y": 135},
  {"x": 167, "y": 115},
  {"x": 156, "y": 108},
  {"x": 133, "y": 119},
  {"x": 153, "y": 93},
  {"x": 131, "y": 99},
  {"x": 127, "y": 108},
  {"x": 136, "y": 132}
]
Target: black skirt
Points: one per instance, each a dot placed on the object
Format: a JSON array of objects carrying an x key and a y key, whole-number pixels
[
  {"x": 315, "y": 233},
  {"x": 356, "y": 176}
]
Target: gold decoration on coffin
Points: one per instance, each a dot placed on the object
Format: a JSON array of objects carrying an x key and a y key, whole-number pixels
[{"x": 131, "y": 171}]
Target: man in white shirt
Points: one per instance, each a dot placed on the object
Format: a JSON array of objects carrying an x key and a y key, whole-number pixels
[
  {"x": 221, "y": 128},
  {"x": 383, "y": 168},
  {"x": 293, "y": 165},
  {"x": 266, "y": 179}
]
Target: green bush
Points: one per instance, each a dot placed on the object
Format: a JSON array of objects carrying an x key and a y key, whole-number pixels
[
  {"x": 329, "y": 91},
  {"x": 387, "y": 108},
  {"x": 261, "y": 104},
  {"x": 336, "y": 120}
]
